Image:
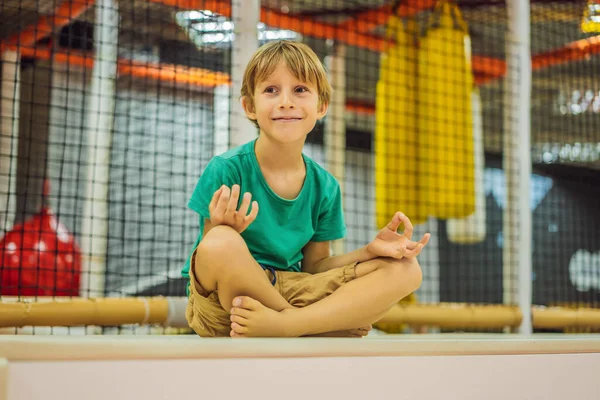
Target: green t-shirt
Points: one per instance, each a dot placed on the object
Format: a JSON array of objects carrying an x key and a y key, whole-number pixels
[{"x": 282, "y": 227}]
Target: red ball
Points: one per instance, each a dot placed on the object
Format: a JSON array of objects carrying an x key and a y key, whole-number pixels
[{"x": 40, "y": 258}]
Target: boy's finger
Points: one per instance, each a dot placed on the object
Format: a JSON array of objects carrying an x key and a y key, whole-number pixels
[
  {"x": 408, "y": 227},
  {"x": 395, "y": 222},
  {"x": 400, "y": 252},
  {"x": 243, "y": 210},
  {"x": 223, "y": 200},
  {"x": 233, "y": 199},
  {"x": 253, "y": 213},
  {"x": 415, "y": 252},
  {"x": 410, "y": 245},
  {"x": 413, "y": 245},
  {"x": 215, "y": 198},
  {"x": 425, "y": 239}
]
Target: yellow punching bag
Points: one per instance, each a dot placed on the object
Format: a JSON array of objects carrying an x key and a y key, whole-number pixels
[
  {"x": 471, "y": 229},
  {"x": 395, "y": 128},
  {"x": 590, "y": 23},
  {"x": 445, "y": 79}
]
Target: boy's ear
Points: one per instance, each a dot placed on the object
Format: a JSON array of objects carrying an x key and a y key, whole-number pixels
[
  {"x": 248, "y": 108},
  {"x": 322, "y": 110}
]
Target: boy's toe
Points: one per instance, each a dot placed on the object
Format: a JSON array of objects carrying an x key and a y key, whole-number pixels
[
  {"x": 239, "y": 320},
  {"x": 246, "y": 302},
  {"x": 237, "y": 328},
  {"x": 242, "y": 312}
]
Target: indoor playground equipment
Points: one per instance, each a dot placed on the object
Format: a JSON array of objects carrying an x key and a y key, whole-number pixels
[
  {"x": 432, "y": 114},
  {"x": 40, "y": 257},
  {"x": 424, "y": 142},
  {"x": 397, "y": 175},
  {"x": 446, "y": 155},
  {"x": 591, "y": 17},
  {"x": 479, "y": 120}
]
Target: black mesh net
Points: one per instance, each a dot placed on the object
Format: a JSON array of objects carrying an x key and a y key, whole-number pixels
[{"x": 111, "y": 110}]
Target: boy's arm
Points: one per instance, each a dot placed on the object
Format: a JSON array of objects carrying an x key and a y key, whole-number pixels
[
  {"x": 318, "y": 258},
  {"x": 387, "y": 243}
]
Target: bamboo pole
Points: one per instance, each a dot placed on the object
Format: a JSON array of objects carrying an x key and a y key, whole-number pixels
[
  {"x": 170, "y": 311},
  {"x": 80, "y": 312},
  {"x": 562, "y": 317},
  {"x": 450, "y": 315}
]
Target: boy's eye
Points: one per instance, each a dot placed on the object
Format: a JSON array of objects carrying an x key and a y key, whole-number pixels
[
  {"x": 301, "y": 89},
  {"x": 270, "y": 89}
]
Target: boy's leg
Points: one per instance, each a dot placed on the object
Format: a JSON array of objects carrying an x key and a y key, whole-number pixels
[
  {"x": 379, "y": 285},
  {"x": 350, "y": 333},
  {"x": 224, "y": 263}
]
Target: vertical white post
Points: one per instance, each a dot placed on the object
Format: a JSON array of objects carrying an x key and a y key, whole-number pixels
[
  {"x": 10, "y": 90},
  {"x": 222, "y": 103},
  {"x": 246, "y": 16},
  {"x": 335, "y": 123},
  {"x": 517, "y": 268},
  {"x": 100, "y": 116}
]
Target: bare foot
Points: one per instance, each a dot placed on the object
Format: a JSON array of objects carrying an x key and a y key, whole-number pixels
[
  {"x": 249, "y": 318},
  {"x": 354, "y": 333}
]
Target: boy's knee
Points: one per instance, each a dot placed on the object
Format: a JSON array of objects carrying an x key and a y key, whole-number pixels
[
  {"x": 220, "y": 242},
  {"x": 223, "y": 237},
  {"x": 406, "y": 271}
]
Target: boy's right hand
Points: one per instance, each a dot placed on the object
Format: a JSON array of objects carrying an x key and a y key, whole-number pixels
[{"x": 223, "y": 208}]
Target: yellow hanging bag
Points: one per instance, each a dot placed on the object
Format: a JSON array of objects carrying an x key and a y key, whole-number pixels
[
  {"x": 445, "y": 79},
  {"x": 590, "y": 22},
  {"x": 396, "y": 173}
]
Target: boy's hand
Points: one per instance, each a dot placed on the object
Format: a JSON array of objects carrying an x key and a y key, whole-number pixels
[
  {"x": 223, "y": 206},
  {"x": 389, "y": 243}
]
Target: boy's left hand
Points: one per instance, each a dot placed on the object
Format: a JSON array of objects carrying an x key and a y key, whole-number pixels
[{"x": 389, "y": 243}]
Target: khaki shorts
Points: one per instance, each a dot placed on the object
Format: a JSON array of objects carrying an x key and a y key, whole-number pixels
[{"x": 207, "y": 318}]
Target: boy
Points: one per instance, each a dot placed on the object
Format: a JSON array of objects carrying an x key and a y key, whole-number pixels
[{"x": 270, "y": 272}]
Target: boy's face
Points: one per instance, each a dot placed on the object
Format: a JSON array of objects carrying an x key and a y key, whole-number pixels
[{"x": 285, "y": 108}]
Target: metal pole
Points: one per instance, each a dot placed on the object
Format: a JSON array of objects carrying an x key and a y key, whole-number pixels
[
  {"x": 246, "y": 16},
  {"x": 10, "y": 89},
  {"x": 100, "y": 116},
  {"x": 335, "y": 124},
  {"x": 517, "y": 270}
]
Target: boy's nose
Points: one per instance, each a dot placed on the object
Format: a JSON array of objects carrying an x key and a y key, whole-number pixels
[{"x": 286, "y": 102}]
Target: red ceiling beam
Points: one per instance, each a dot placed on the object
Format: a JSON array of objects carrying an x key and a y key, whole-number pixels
[
  {"x": 575, "y": 51},
  {"x": 369, "y": 20},
  {"x": 144, "y": 70},
  {"x": 340, "y": 33},
  {"x": 322, "y": 30}
]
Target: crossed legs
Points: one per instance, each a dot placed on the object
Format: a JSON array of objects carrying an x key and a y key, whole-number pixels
[{"x": 224, "y": 263}]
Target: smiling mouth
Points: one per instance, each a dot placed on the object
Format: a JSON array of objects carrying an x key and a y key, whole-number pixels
[{"x": 286, "y": 119}]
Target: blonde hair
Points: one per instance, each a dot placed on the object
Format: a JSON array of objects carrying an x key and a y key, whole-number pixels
[{"x": 301, "y": 60}]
